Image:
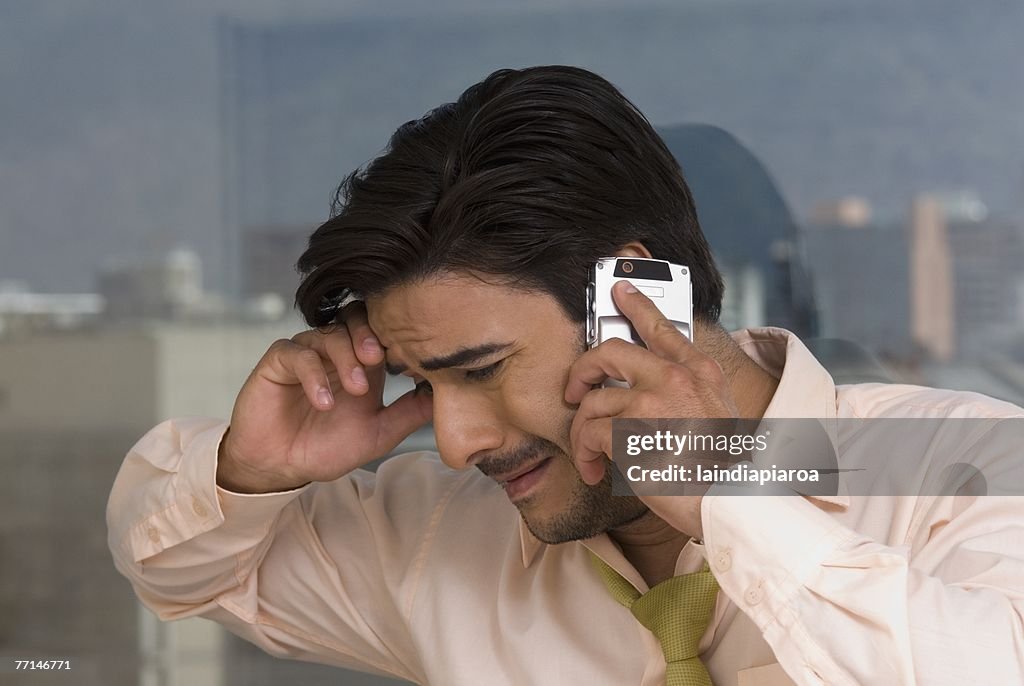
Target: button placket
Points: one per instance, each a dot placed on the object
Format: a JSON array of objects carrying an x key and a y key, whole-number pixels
[
  {"x": 755, "y": 593},
  {"x": 723, "y": 561}
]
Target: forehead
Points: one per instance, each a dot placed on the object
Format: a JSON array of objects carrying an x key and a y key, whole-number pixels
[{"x": 435, "y": 315}]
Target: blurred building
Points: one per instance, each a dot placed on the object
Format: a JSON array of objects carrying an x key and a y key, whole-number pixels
[
  {"x": 169, "y": 286},
  {"x": 268, "y": 257},
  {"x": 750, "y": 228},
  {"x": 933, "y": 305},
  {"x": 948, "y": 286},
  {"x": 23, "y": 312},
  {"x": 860, "y": 278},
  {"x": 850, "y": 212},
  {"x": 988, "y": 276},
  {"x": 969, "y": 278},
  {"x": 71, "y": 405}
]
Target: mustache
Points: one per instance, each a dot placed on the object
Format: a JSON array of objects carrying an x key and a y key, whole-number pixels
[{"x": 517, "y": 457}]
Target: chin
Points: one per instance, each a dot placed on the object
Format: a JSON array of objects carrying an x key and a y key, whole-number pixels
[{"x": 591, "y": 512}]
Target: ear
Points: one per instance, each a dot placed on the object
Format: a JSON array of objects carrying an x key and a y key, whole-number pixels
[{"x": 633, "y": 249}]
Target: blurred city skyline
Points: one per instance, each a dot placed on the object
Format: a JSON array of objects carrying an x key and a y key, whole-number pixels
[{"x": 113, "y": 139}]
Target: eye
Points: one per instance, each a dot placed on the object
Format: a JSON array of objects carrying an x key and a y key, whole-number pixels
[
  {"x": 484, "y": 373},
  {"x": 424, "y": 387}
]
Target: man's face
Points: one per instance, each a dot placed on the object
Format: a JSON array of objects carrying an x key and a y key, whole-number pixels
[{"x": 497, "y": 360}]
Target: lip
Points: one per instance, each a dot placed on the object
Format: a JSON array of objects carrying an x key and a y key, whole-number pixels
[
  {"x": 512, "y": 476},
  {"x": 520, "y": 483}
]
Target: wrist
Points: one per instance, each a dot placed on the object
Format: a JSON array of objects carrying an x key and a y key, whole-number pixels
[{"x": 237, "y": 476}]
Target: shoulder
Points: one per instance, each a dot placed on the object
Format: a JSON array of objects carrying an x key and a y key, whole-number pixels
[{"x": 880, "y": 400}]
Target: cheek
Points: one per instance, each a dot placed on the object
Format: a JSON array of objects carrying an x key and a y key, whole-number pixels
[{"x": 538, "y": 406}]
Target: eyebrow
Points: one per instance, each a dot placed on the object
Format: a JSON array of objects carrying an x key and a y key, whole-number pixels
[{"x": 460, "y": 357}]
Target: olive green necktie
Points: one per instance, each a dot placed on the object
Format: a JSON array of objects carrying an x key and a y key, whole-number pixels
[{"x": 676, "y": 611}]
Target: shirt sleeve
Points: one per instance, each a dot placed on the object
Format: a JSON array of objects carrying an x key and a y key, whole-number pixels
[
  {"x": 324, "y": 573},
  {"x": 838, "y": 607}
]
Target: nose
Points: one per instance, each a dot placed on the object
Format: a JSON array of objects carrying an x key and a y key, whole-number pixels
[{"x": 466, "y": 425}]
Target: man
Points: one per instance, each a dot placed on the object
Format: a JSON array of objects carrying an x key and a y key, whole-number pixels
[{"x": 459, "y": 258}]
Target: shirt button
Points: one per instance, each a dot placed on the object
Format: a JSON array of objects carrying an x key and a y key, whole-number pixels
[
  {"x": 154, "y": 535},
  {"x": 198, "y": 507},
  {"x": 723, "y": 561},
  {"x": 753, "y": 595}
]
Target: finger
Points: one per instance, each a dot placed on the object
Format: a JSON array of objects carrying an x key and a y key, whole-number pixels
[
  {"x": 659, "y": 334},
  {"x": 593, "y": 445},
  {"x": 335, "y": 346},
  {"x": 351, "y": 372},
  {"x": 613, "y": 359},
  {"x": 364, "y": 342},
  {"x": 287, "y": 363},
  {"x": 401, "y": 418},
  {"x": 600, "y": 402}
]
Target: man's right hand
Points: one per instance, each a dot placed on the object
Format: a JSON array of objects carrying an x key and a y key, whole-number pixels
[{"x": 312, "y": 410}]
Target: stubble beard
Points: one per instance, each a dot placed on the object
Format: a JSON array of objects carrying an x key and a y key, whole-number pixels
[{"x": 589, "y": 510}]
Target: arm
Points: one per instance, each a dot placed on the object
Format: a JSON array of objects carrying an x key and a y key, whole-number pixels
[
  {"x": 318, "y": 573},
  {"x": 942, "y": 606},
  {"x": 838, "y": 607}
]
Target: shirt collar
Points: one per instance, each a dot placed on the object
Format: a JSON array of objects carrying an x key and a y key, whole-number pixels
[
  {"x": 531, "y": 544},
  {"x": 806, "y": 390}
]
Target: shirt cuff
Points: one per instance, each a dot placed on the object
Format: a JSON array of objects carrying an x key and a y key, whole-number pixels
[{"x": 197, "y": 505}]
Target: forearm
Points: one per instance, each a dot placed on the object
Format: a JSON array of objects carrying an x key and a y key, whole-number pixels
[
  {"x": 257, "y": 562},
  {"x": 179, "y": 538},
  {"x": 837, "y": 606}
]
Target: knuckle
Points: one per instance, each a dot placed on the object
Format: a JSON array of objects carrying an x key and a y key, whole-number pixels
[
  {"x": 339, "y": 343},
  {"x": 677, "y": 375},
  {"x": 281, "y": 344},
  {"x": 336, "y": 331},
  {"x": 615, "y": 346},
  {"x": 276, "y": 353},
  {"x": 708, "y": 368},
  {"x": 591, "y": 401},
  {"x": 664, "y": 327},
  {"x": 308, "y": 357},
  {"x": 647, "y": 404}
]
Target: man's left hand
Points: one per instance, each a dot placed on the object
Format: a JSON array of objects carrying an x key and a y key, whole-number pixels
[{"x": 670, "y": 378}]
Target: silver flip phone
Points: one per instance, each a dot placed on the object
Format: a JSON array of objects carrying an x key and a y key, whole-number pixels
[{"x": 667, "y": 284}]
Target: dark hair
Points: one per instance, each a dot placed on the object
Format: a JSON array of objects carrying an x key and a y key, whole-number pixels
[{"x": 531, "y": 176}]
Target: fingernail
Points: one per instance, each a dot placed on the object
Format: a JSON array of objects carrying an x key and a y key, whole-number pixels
[
  {"x": 629, "y": 288},
  {"x": 359, "y": 376},
  {"x": 323, "y": 396},
  {"x": 371, "y": 345}
]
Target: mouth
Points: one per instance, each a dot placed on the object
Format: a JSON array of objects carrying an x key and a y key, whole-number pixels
[{"x": 518, "y": 484}]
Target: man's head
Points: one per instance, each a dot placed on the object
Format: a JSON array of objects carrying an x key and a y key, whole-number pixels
[{"x": 477, "y": 228}]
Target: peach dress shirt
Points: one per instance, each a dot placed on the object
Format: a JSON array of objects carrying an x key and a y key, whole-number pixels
[{"x": 428, "y": 574}]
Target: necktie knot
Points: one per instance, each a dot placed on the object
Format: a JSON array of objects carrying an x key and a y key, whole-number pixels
[{"x": 677, "y": 611}]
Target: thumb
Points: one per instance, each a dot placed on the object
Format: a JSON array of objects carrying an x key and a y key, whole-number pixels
[{"x": 401, "y": 418}]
